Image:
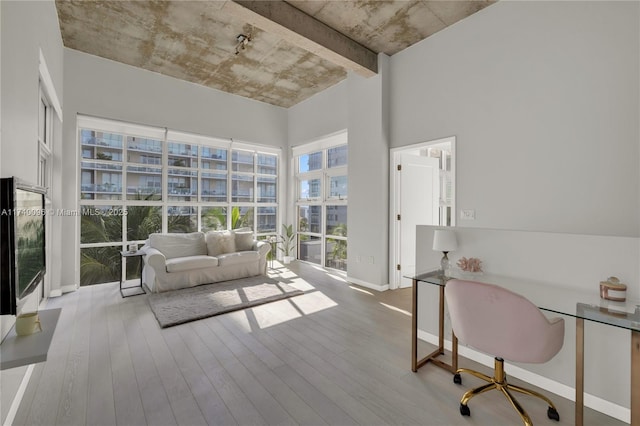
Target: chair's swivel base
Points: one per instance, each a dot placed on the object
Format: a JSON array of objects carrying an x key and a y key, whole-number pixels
[
  {"x": 552, "y": 413},
  {"x": 499, "y": 382}
]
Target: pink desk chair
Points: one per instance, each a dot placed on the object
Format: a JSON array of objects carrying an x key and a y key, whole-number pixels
[{"x": 504, "y": 324}]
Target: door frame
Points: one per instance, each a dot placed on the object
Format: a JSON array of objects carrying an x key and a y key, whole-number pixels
[{"x": 394, "y": 204}]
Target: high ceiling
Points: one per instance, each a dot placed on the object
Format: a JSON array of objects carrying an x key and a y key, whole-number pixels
[{"x": 297, "y": 48}]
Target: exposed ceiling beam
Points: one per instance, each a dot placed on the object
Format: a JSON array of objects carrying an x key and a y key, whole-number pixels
[{"x": 306, "y": 32}]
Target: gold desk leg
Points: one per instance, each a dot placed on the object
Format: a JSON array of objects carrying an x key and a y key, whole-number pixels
[
  {"x": 635, "y": 378},
  {"x": 454, "y": 352},
  {"x": 414, "y": 327},
  {"x": 441, "y": 322},
  {"x": 579, "y": 371},
  {"x": 417, "y": 363}
]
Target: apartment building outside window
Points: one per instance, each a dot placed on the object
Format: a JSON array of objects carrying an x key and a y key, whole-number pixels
[
  {"x": 321, "y": 207},
  {"x": 134, "y": 184}
]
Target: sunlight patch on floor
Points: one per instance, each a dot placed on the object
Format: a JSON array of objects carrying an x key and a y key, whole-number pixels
[
  {"x": 361, "y": 290},
  {"x": 317, "y": 267},
  {"x": 315, "y": 301},
  {"x": 281, "y": 273},
  {"x": 301, "y": 284},
  {"x": 393, "y": 308},
  {"x": 336, "y": 277},
  {"x": 281, "y": 311},
  {"x": 275, "y": 313},
  {"x": 264, "y": 316}
]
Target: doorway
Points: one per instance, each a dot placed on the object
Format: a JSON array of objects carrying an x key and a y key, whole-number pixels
[{"x": 422, "y": 193}]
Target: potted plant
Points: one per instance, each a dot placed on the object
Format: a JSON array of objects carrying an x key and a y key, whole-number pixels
[{"x": 288, "y": 243}]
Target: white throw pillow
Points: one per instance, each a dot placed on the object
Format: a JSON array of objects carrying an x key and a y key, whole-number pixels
[
  {"x": 244, "y": 240},
  {"x": 228, "y": 242},
  {"x": 220, "y": 242},
  {"x": 179, "y": 245},
  {"x": 214, "y": 242}
]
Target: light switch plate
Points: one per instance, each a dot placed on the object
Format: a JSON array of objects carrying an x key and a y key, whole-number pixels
[{"x": 467, "y": 214}]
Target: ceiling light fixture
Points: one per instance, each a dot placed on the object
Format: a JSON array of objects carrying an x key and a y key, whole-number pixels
[{"x": 242, "y": 40}]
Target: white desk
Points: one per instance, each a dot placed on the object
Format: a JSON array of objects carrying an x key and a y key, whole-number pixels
[{"x": 572, "y": 302}]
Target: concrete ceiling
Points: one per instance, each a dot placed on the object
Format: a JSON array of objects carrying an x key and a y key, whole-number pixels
[{"x": 297, "y": 49}]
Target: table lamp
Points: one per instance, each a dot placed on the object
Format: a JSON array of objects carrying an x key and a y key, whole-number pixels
[{"x": 444, "y": 240}]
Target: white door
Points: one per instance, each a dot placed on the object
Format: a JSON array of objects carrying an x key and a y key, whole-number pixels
[{"x": 419, "y": 179}]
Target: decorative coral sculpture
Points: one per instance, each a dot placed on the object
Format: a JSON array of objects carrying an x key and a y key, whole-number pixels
[{"x": 472, "y": 264}]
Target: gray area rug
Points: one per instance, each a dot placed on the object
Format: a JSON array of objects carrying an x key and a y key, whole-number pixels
[{"x": 190, "y": 304}]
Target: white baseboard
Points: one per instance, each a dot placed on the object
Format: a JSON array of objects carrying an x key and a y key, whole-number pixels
[
  {"x": 607, "y": 407},
  {"x": 69, "y": 288},
  {"x": 376, "y": 287},
  {"x": 64, "y": 289}
]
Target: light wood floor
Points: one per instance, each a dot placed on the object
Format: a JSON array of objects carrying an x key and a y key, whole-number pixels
[{"x": 338, "y": 355}]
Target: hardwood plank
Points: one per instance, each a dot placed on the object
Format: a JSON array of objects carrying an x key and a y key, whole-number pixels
[
  {"x": 10, "y": 381},
  {"x": 183, "y": 404},
  {"x": 259, "y": 362},
  {"x": 127, "y": 400},
  {"x": 100, "y": 398},
  {"x": 315, "y": 374},
  {"x": 265, "y": 403},
  {"x": 315, "y": 354},
  {"x": 73, "y": 399},
  {"x": 236, "y": 401},
  {"x": 211, "y": 404},
  {"x": 290, "y": 401},
  {"x": 43, "y": 407},
  {"x": 262, "y": 400},
  {"x": 230, "y": 323},
  {"x": 326, "y": 408},
  {"x": 155, "y": 402}
]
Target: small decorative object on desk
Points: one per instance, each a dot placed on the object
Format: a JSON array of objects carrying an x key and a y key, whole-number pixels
[
  {"x": 472, "y": 264},
  {"x": 133, "y": 248},
  {"x": 613, "y": 289}
]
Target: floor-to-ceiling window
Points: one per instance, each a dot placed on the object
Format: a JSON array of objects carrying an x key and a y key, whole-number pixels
[
  {"x": 321, "y": 201},
  {"x": 136, "y": 180}
]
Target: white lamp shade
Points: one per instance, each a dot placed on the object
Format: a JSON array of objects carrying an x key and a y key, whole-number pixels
[{"x": 444, "y": 240}]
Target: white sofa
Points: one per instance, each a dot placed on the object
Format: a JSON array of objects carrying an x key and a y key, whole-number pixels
[{"x": 173, "y": 261}]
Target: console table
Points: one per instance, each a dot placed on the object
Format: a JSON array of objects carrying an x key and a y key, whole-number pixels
[
  {"x": 23, "y": 350},
  {"x": 572, "y": 302}
]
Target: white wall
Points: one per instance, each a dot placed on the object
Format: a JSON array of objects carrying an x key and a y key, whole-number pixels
[
  {"x": 104, "y": 88},
  {"x": 369, "y": 178},
  {"x": 543, "y": 100},
  {"x": 322, "y": 114},
  {"x": 25, "y": 29}
]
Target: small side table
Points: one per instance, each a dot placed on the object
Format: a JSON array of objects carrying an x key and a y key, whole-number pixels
[
  {"x": 132, "y": 290},
  {"x": 274, "y": 247}
]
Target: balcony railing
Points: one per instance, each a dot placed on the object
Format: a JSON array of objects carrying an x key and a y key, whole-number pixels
[
  {"x": 102, "y": 142},
  {"x": 142, "y": 190},
  {"x": 149, "y": 148},
  {"x": 108, "y": 188}
]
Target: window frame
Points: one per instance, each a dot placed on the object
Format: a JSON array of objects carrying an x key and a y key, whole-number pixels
[
  {"x": 166, "y": 203},
  {"x": 325, "y": 199},
  {"x": 45, "y": 136}
]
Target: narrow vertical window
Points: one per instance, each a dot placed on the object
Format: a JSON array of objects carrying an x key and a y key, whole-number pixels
[{"x": 321, "y": 208}]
